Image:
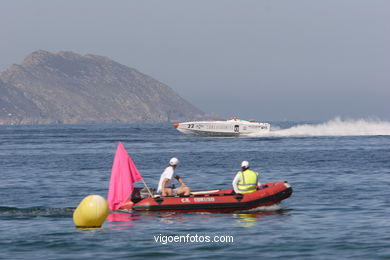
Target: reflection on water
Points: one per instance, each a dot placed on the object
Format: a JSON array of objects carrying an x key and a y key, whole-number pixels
[
  {"x": 89, "y": 230},
  {"x": 119, "y": 220},
  {"x": 172, "y": 218},
  {"x": 252, "y": 218},
  {"x": 247, "y": 219}
]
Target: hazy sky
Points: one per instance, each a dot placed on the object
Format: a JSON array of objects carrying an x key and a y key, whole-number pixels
[{"x": 264, "y": 60}]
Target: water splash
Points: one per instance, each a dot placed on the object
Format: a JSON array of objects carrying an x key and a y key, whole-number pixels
[{"x": 334, "y": 127}]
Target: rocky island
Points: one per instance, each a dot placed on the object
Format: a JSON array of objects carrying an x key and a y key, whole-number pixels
[{"x": 70, "y": 88}]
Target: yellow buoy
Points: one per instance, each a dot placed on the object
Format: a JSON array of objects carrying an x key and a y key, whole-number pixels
[{"x": 91, "y": 212}]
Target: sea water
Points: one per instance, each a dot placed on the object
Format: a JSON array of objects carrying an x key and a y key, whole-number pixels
[{"x": 339, "y": 171}]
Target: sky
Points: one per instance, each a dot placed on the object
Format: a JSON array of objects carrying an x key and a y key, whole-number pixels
[{"x": 255, "y": 59}]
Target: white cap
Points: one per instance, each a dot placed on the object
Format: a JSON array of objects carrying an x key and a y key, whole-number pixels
[
  {"x": 245, "y": 164},
  {"x": 173, "y": 161}
]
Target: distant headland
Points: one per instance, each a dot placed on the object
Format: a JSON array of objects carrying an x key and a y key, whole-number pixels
[{"x": 69, "y": 88}]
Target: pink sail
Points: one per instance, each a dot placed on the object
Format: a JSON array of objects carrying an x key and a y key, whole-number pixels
[{"x": 123, "y": 175}]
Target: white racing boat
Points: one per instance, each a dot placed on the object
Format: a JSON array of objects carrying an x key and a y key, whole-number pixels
[{"x": 232, "y": 127}]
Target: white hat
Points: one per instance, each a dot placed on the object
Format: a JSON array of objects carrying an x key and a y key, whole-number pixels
[
  {"x": 245, "y": 164},
  {"x": 173, "y": 161}
]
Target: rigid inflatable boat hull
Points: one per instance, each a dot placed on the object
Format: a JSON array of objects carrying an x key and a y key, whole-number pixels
[{"x": 218, "y": 201}]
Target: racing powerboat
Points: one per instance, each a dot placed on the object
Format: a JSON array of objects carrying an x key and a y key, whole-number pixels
[{"x": 232, "y": 127}]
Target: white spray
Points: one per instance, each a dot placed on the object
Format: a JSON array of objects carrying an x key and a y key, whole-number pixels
[{"x": 335, "y": 127}]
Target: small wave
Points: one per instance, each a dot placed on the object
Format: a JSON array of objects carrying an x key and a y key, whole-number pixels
[
  {"x": 274, "y": 207},
  {"x": 334, "y": 127},
  {"x": 35, "y": 212}
]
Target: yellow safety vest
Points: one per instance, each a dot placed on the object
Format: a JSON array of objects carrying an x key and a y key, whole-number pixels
[{"x": 248, "y": 181}]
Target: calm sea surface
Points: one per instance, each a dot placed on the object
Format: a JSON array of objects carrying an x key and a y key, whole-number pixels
[{"x": 339, "y": 209}]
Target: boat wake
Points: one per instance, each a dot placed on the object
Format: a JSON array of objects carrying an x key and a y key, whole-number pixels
[{"x": 334, "y": 127}]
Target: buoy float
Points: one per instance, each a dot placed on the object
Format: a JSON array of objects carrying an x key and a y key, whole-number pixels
[{"x": 91, "y": 212}]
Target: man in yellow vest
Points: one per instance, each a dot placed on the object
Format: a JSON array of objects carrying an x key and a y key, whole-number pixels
[{"x": 245, "y": 180}]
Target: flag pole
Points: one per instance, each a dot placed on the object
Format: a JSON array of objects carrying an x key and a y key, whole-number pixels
[{"x": 146, "y": 186}]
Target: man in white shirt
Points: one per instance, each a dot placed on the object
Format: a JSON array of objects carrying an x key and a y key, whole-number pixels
[{"x": 165, "y": 185}]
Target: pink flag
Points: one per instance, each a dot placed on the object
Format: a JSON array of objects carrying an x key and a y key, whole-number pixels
[{"x": 123, "y": 175}]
